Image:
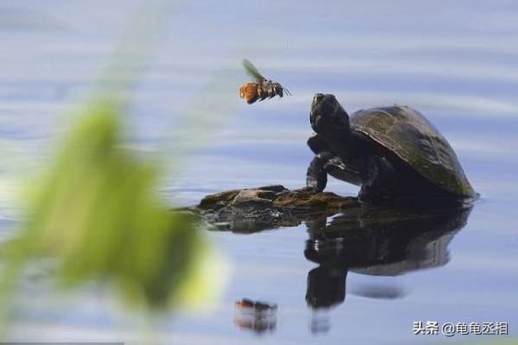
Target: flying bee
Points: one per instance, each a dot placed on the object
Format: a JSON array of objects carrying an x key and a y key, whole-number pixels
[{"x": 262, "y": 88}]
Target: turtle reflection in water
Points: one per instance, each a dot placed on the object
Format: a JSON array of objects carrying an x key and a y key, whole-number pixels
[
  {"x": 393, "y": 153},
  {"x": 377, "y": 242}
]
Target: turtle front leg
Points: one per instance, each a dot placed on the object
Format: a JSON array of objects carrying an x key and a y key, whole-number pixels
[
  {"x": 316, "y": 176},
  {"x": 317, "y": 144},
  {"x": 380, "y": 185}
]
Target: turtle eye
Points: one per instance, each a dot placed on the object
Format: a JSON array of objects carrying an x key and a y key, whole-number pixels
[{"x": 317, "y": 99}]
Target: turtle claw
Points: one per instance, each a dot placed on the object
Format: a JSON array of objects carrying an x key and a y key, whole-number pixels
[{"x": 316, "y": 176}]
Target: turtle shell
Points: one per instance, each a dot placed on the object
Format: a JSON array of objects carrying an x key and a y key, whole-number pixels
[{"x": 409, "y": 135}]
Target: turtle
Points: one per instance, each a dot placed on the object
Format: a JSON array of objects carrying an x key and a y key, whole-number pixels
[{"x": 394, "y": 153}]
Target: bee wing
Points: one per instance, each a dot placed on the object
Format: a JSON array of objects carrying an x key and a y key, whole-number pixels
[
  {"x": 252, "y": 71},
  {"x": 286, "y": 90}
]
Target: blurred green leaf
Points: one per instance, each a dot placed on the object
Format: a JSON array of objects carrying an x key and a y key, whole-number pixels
[
  {"x": 97, "y": 212},
  {"x": 96, "y": 209}
]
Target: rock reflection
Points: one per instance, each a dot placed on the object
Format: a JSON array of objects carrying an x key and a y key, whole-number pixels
[{"x": 378, "y": 242}]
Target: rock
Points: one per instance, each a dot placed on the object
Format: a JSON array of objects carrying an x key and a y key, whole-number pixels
[
  {"x": 256, "y": 209},
  {"x": 307, "y": 199},
  {"x": 253, "y": 198},
  {"x": 218, "y": 200},
  {"x": 278, "y": 197}
]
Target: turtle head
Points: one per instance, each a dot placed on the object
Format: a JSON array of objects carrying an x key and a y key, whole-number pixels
[{"x": 328, "y": 117}]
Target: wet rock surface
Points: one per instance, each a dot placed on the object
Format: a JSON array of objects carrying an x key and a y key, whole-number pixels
[{"x": 256, "y": 209}]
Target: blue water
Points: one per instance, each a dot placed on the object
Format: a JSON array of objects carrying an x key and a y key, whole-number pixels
[{"x": 454, "y": 61}]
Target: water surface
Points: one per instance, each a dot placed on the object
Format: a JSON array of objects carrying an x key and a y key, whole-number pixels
[{"x": 454, "y": 61}]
